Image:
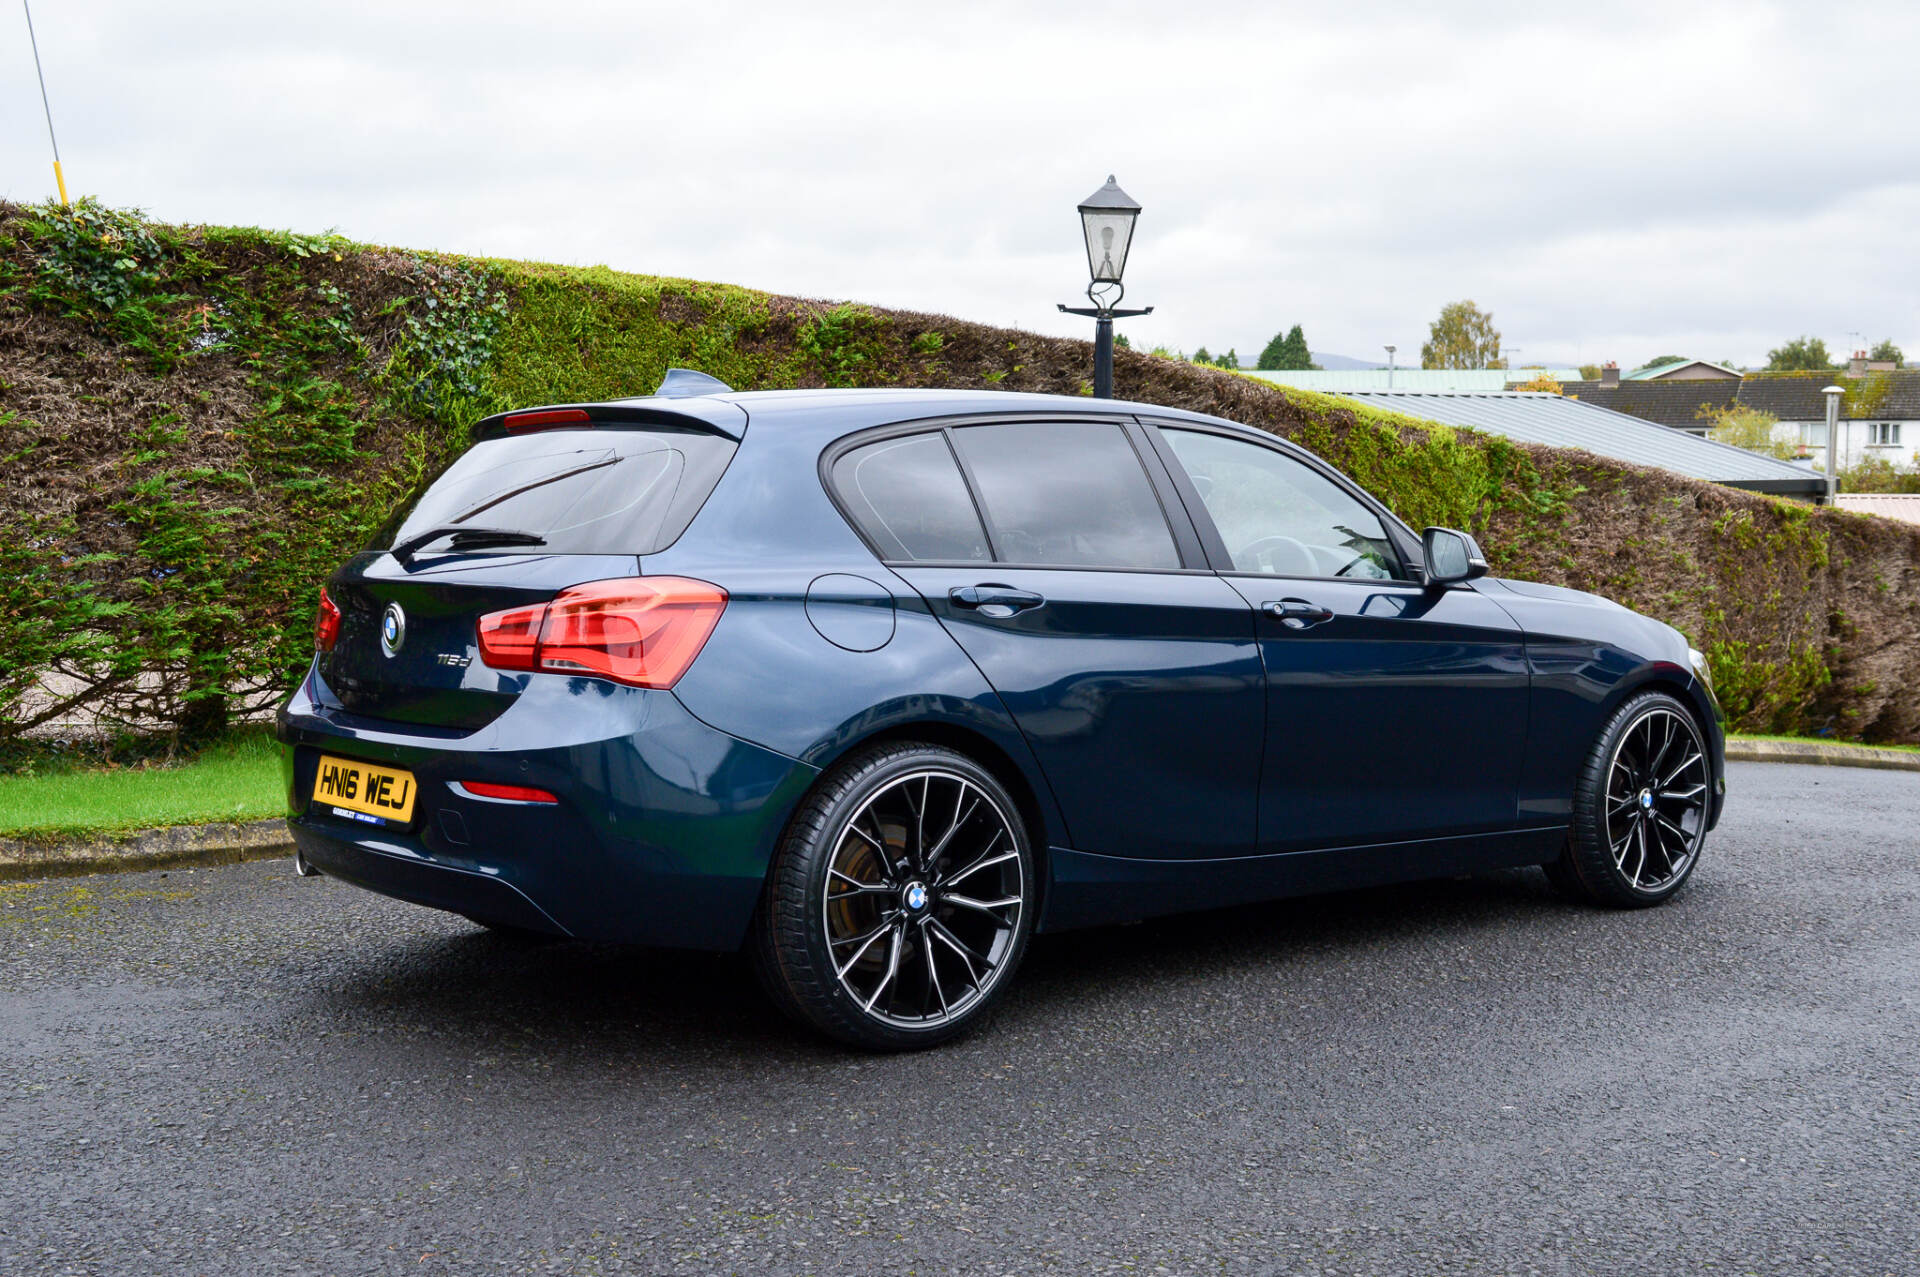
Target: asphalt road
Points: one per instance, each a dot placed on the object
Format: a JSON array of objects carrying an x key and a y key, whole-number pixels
[{"x": 238, "y": 1071}]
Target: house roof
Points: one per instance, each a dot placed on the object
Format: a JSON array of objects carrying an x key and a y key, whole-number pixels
[
  {"x": 1668, "y": 403},
  {"x": 1668, "y": 370},
  {"x": 1539, "y": 417},
  {"x": 1888, "y": 505},
  {"x": 1794, "y": 396},
  {"x": 1342, "y": 381},
  {"x": 1878, "y": 396}
]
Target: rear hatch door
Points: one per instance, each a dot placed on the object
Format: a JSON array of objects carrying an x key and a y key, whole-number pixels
[{"x": 594, "y": 499}]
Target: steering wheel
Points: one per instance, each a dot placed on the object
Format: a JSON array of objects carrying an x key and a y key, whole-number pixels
[{"x": 1261, "y": 551}]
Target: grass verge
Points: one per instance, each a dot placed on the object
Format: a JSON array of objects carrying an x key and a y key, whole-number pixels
[
  {"x": 238, "y": 779},
  {"x": 1822, "y": 740}
]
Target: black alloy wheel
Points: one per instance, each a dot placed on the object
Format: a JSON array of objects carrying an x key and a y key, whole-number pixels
[
  {"x": 900, "y": 901},
  {"x": 1640, "y": 807}
]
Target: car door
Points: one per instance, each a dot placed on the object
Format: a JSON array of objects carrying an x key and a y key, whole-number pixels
[
  {"x": 1130, "y": 667},
  {"x": 1394, "y": 712}
]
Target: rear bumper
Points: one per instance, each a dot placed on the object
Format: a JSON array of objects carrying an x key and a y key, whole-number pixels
[
  {"x": 398, "y": 869},
  {"x": 662, "y": 834}
]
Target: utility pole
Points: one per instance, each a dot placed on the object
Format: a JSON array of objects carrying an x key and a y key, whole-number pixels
[
  {"x": 1390, "y": 350},
  {"x": 59, "y": 178}
]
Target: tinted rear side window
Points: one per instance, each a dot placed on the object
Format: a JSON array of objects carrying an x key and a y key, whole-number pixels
[
  {"x": 907, "y": 496},
  {"x": 1067, "y": 494},
  {"x": 585, "y": 491}
]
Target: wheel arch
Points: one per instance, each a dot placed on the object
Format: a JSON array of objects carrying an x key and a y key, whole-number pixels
[
  {"x": 983, "y": 750},
  {"x": 1682, "y": 686}
]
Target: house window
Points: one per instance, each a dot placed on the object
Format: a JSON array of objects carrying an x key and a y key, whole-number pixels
[
  {"x": 1883, "y": 434},
  {"x": 1813, "y": 433}
]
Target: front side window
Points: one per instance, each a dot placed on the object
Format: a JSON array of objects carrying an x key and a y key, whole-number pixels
[
  {"x": 907, "y": 496},
  {"x": 1279, "y": 517},
  {"x": 1885, "y": 434},
  {"x": 1068, "y": 494}
]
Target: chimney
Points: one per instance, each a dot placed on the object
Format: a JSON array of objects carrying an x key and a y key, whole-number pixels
[
  {"x": 1610, "y": 374},
  {"x": 1857, "y": 366}
]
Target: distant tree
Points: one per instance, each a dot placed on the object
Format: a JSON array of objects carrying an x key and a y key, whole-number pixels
[
  {"x": 1297, "y": 354},
  {"x": 1661, "y": 361},
  {"x": 1541, "y": 380},
  {"x": 1590, "y": 372},
  {"x": 1120, "y": 340},
  {"x": 1802, "y": 354},
  {"x": 1745, "y": 427},
  {"x": 1286, "y": 352},
  {"x": 1887, "y": 350},
  {"x": 1228, "y": 360},
  {"x": 1463, "y": 337}
]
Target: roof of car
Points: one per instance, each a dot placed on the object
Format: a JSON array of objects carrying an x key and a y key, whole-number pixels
[
  {"x": 889, "y": 400},
  {"x": 841, "y": 411}
]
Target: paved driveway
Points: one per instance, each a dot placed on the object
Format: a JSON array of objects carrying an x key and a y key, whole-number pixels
[{"x": 234, "y": 1070}]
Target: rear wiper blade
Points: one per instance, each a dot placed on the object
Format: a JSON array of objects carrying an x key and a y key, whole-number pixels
[{"x": 465, "y": 538}]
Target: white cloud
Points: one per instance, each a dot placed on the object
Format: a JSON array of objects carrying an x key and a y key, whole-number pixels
[{"x": 1612, "y": 181}]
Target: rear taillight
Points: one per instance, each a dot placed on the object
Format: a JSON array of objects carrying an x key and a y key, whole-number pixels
[
  {"x": 326, "y": 623},
  {"x": 520, "y": 423},
  {"x": 644, "y": 631}
]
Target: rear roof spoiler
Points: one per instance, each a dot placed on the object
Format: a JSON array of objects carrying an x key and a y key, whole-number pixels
[{"x": 712, "y": 416}]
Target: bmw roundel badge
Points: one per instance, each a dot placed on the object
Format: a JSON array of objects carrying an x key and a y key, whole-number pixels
[{"x": 393, "y": 630}]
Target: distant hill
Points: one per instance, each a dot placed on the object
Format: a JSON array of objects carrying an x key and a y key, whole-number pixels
[{"x": 1345, "y": 363}]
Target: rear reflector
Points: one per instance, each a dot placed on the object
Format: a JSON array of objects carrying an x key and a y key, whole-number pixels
[
  {"x": 326, "y": 623},
  {"x": 641, "y": 631},
  {"x": 519, "y": 423},
  {"x": 512, "y": 793}
]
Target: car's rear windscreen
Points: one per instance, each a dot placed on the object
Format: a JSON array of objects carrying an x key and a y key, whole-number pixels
[{"x": 599, "y": 491}]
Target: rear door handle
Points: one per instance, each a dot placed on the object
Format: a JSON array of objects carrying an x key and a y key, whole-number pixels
[
  {"x": 1297, "y": 614},
  {"x": 993, "y": 599}
]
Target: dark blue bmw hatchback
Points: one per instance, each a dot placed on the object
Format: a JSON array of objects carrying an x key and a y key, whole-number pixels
[{"x": 878, "y": 683}]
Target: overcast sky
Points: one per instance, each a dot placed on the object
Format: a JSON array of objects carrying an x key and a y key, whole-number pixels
[{"x": 1611, "y": 181}]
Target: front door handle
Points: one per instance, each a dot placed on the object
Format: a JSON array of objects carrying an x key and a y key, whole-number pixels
[
  {"x": 993, "y": 599},
  {"x": 1297, "y": 614}
]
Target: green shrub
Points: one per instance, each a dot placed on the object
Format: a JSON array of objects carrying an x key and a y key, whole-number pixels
[{"x": 222, "y": 415}]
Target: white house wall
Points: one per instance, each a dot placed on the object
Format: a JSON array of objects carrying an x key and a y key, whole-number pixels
[{"x": 1854, "y": 446}]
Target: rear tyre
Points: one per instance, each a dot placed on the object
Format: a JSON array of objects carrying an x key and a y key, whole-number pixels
[
  {"x": 1639, "y": 808},
  {"x": 900, "y": 899}
]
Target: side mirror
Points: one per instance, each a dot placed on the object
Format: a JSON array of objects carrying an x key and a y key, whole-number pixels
[{"x": 1452, "y": 556}]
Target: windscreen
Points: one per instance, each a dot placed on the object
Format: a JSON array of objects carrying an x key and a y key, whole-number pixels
[{"x": 601, "y": 491}]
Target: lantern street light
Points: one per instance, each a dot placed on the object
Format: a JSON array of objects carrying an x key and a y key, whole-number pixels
[
  {"x": 1106, "y": 218},
  {"x": 1833, "y": 394}
]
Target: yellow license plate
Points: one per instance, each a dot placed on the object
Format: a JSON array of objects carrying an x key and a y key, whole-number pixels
[{"x": 354, "y": 786}]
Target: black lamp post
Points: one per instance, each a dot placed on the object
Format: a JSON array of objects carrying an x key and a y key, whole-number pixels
[{"x": 1106, "y": 217}]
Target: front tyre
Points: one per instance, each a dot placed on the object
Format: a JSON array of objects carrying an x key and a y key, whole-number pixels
[
  {"x": 900, "y": 900},
  {"x": 1639, "y": 807}
]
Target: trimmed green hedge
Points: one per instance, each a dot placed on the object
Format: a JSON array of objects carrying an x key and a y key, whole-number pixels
[{"x": 197, "y": 423}]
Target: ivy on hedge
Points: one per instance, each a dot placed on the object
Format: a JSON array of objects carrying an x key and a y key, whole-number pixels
[{"x": 181, "y": 595}]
